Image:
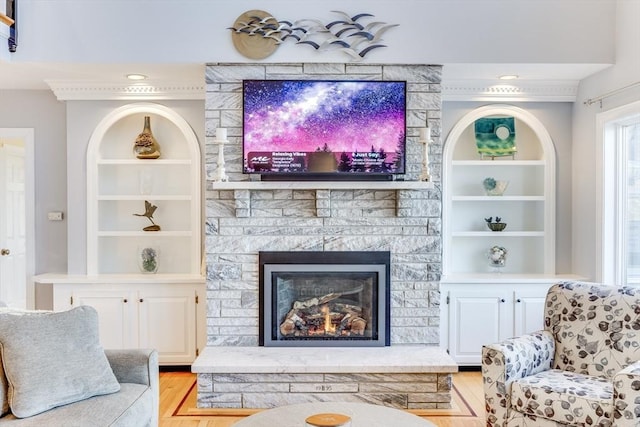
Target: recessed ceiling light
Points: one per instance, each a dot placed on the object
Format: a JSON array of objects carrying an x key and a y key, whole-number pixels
[
  {"x": 136, "y": 77},
  {"x": 508, "y": 77}
]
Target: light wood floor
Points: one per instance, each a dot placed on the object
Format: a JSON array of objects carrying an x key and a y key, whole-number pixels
[{"x": 175, "y": 411}]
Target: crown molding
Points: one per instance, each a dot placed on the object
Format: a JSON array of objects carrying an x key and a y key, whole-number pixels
[
  {"x": 489, "y": 90},
  {"x": 452, "y": 90},
  {"x": 67, "y": 90}
]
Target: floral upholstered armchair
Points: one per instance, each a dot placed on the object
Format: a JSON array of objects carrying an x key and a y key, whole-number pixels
[{"x": 581, "y": 370}]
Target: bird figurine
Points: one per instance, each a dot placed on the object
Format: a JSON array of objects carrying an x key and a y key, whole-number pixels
[{"x": 149, "y": 209}]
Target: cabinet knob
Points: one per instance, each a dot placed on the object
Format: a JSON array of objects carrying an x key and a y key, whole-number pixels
[
  {"x": 502, "y": 300},
  {"x": 125, "y": 300},
  {"x": 4, "y": 252},
  {"x": 141, "y": 300},
  {"x": 518, "y": 300}
]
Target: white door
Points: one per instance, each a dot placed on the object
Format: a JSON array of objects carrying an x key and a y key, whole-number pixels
[
  {"x": 117, "y": 310},
  {"x": 529, "y": 310},
  {"x": 168, "y": 323},
  {"x": 477, "y": 318},
  {"x": 13, "y": 277}
]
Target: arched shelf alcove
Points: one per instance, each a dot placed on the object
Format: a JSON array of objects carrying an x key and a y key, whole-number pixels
[
  {"x": 527, "y": 206},
  {"x": 118, "y": 184}
]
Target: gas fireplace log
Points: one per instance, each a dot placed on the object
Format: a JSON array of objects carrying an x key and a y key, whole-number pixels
[
  {"x": 291, "y": 323},
  {"x": 302, "y": 321},
  {"x": 325, "y": 298}
]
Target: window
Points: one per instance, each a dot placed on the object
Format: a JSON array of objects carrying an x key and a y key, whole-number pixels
[
  {"x": 630, "y": 195},
  {"x": 620, "y": 198}
]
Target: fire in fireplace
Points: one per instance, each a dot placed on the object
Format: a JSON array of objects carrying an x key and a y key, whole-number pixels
[{"x": 324, "y": 298}]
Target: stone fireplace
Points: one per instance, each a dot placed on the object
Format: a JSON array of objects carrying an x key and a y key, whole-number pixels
[
  {"x": 242, "y": 221},
  {"x": 324, "y": 299}
]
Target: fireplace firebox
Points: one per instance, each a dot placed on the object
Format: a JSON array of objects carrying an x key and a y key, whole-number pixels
[{"x": 325, "y": 299}]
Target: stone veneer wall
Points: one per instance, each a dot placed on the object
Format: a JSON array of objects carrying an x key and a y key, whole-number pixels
[{"x": 240, "y": 223}]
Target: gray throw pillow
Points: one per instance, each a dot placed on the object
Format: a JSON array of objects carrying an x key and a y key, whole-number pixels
[{"x": 52, "y": 359}]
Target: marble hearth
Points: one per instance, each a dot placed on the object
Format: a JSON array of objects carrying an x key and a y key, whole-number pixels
[{"x": 400, "y": 376}]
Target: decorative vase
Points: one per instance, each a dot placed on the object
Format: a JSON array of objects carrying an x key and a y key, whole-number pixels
[
  {"x": 148, "y": 259},
  {"x": 497, "y": 256},
  {"x": 146, "y": 146}
]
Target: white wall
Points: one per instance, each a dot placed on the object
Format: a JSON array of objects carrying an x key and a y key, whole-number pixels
[
  {"x": 430, "y": 31},
  {"x": 40, "y": 110},
  {"x": 626, "y": 71}
]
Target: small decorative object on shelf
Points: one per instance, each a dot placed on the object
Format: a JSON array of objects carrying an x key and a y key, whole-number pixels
[
  {"x": 425, "y": 139},
  {"x": 146, "y": 146},
  {"x": 495, "y": 226},
  {"x": 495, "y": 137},
  {"x": 148, "y": 260},
  {"x": 493, "y": 187},
  {"x": 149, "y": 209},
  {"x": 497, "y": 258},
  {"x": 221, "y": 138},
  {"x": 328, "y": 420}
]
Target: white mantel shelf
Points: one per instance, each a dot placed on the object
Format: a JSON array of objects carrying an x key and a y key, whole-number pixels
[{"x": 322, "y": 185}]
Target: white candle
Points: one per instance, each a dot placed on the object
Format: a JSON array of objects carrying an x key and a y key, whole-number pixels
[
  {"x": 425, "y": 134},
  {"x": 221, "y": 134}
]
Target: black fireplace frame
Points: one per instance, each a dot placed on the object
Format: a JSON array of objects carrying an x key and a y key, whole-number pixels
[{"x": 378, "y": 258}]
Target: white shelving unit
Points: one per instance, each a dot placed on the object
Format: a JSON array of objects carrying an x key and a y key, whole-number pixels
[
  {"x": 165, "y": 311},
  {"x": 480, "y": 306},
  {"x": 118, "y": 185},
  {"x": 527, "y": 206}
]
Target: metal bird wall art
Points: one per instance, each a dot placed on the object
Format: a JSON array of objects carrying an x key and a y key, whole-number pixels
[
  {"x": 350, "y": 34},
  {"x": 149, "y": 210}
]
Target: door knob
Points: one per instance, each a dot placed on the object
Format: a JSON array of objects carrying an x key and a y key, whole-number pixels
[{"x": 4, "y": 252}]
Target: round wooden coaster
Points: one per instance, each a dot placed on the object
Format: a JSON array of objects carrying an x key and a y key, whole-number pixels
[
  {"x": 253, "y": 46},
  {"x": 328, "y": 420}
]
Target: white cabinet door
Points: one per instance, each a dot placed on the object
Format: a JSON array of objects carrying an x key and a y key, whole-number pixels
[
  {"x": 477, "y": 318},
  {"x": 117, "y": 312},
  {"x": 529, "y": 310},
  {"x": 168, "y": 323}
]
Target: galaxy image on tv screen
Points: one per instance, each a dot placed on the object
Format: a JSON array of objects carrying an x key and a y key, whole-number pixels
[{"x": 324, "y": 127}]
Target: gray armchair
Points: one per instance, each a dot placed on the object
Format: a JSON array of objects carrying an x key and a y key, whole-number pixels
[{"x": 581, "y": 370}]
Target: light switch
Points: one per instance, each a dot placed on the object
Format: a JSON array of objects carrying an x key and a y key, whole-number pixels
[{"x": 54, "y": 216}]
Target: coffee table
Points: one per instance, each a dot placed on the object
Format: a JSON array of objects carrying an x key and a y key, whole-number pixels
[{"x": 362, "y": 415}]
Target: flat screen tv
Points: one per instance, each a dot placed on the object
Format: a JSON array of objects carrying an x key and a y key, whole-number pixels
[{"x": 319, "y": 129}]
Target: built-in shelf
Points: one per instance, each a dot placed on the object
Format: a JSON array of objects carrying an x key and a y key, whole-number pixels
[
  {"x": 138, "y": 162},
  {"x": 124, "y": 197},
  {"x": 498, "y": 163},
  {"x": 144, "y": 234},
  {"x": 493, "y": 278},
  {"x": 498, "y": 198},
  {"x": 83, "y": 279},
  {"x": 498, "y": 234},
  {"x": 323, "y": 185}
]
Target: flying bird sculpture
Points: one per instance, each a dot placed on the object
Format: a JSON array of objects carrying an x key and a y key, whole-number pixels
[
  {"x": 349, "y": 34},
  {"x": 149, "y": 210}
]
